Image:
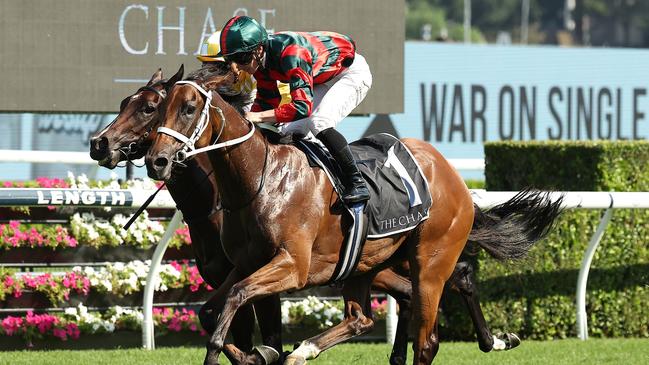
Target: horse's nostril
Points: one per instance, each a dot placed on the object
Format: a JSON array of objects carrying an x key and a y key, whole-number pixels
[
  {"x": 161, "y": 162},
  {"x": 100, "y": 144}
]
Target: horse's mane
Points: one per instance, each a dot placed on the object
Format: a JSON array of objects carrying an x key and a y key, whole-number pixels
[{"x": 238, "y": 100}]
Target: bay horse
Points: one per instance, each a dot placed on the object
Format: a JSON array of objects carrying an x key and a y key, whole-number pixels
[
  {"x": 282, "y": 232},
  {"x": 129, "y": 136}
]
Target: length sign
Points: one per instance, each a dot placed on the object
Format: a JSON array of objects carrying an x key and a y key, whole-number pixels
[
  {"x": 86, "y": 55},
  {"x": 16, "y": 197}
]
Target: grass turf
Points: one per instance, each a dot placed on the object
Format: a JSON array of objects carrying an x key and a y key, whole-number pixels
[{"x": 569, "y": 352}]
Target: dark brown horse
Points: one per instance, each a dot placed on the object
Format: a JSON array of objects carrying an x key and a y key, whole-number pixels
[{"x": 278, "y": 215}]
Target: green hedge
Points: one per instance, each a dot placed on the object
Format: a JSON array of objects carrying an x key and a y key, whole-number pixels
[
  {"x": 536, "y": 297},
  {"x": 568, "y": 165}
]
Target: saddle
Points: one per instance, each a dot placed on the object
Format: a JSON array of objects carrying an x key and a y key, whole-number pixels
[{"x": 399, "y": 194}]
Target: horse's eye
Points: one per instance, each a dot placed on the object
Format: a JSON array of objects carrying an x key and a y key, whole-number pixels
[
  {"x": 148, "y": 109},
  {"x": 190, "y": 109}
]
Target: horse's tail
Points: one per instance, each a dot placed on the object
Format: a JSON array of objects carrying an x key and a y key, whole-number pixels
[{"x": 508, "y": 230}]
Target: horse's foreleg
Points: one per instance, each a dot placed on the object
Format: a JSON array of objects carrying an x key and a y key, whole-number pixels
[
  {"x": 213, "y": 308},
  {"x": 358, "y": 320},
  {"x": 400, "y": 288},
  {"x": 269, "y": 316},
  {"x": 243, "y": 324},
  {"x": 280, "y": 274}
]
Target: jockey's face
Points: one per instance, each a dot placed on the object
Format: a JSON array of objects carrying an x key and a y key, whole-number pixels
[{"x": 252, "y": 66}]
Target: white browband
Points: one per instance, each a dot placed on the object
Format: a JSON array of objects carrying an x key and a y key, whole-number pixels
[{"x": 189, "y": 148}]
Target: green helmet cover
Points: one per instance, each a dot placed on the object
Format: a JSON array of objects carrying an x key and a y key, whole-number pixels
[{"x": 241, "y": 34}]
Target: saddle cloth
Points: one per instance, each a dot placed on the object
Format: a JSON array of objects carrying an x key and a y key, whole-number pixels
[{"x": 399, "y": 194}]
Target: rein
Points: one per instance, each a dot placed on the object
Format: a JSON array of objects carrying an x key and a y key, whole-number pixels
[
  {"x": 189, "y": 149},
  {"x": 261, "y": 186}
]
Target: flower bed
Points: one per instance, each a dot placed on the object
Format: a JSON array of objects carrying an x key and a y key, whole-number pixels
[
  {"x": 86, "y": 230},
  {"x": 75, "y": 322},
  {"x": 117, "y": 279},
  {"x": 300, "y": 319}
]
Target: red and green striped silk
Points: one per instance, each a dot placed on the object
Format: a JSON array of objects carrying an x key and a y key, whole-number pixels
[{"x": 301, "y": 60}]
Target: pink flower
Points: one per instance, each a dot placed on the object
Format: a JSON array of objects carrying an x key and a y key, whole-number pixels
[
  {"x": 29, "y": 281},
  {"x": 7, "y": 184},
  {"x": 13, "y": 285},
  {"x": 9, "y": 281},
  {"x": 60, "y": 333},
  {"x": 175, "y": 325},
  {"x": 73, "y": 331},
  {"x": 378, "y": 305},
  {"x": 46, "y": 182},
  {"x": 176, "y": 265},
  {"x": 12, "y": 325},
  {"x": 86, "y": 285},
  {"x": 184, "y": 234}
]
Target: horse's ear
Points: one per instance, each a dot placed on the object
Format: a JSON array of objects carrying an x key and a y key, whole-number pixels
[
  {"x": 179, "y": 75},
  {"x": 157, "y": 76},
  {"x": 175, "y": 78}
]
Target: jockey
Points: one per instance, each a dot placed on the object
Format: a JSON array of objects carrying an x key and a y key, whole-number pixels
[
  {"x": 245, "y": 82},
  {"x": 327, "y": 80}
]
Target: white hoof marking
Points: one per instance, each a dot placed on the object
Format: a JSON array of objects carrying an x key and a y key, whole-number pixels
[
  {"x": 499, "y": 345},
  {"x": 307, "y": 351}
]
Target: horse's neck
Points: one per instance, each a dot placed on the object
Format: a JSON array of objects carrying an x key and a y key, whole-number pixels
[
  {"x": 238, "y": 169},
  {"x": 193, "y": 189}
]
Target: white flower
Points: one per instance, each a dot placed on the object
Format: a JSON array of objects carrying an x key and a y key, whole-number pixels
[{"x": 107, "y": 285}]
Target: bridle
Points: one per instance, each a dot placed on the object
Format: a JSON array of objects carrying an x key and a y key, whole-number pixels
[
  {"x": 189, "y": 143},
  {"x": 189, "y": 149},
  {"x": 134, "y": 147}
]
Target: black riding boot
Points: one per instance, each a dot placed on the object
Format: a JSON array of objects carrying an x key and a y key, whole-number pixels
[{"x": 355, "y": 190}]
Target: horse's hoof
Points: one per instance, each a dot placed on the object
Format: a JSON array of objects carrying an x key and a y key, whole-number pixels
[
  {"x": 269, "y": 354},
  {"x": 211, "y": 358},
  {"x": 506, "y": 341},
  {"x": 397, "y": 360},
  {"x": 294, "y": 360}
]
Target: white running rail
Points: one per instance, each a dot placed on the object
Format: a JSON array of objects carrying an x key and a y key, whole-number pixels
[{"x": 485, "y": 199}]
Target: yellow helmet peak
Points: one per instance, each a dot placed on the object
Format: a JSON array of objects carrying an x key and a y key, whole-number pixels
[{"x": 210, "y": 49}]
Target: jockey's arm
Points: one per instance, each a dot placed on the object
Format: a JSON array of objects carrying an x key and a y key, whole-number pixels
[{"x": 301, "y": 86}]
